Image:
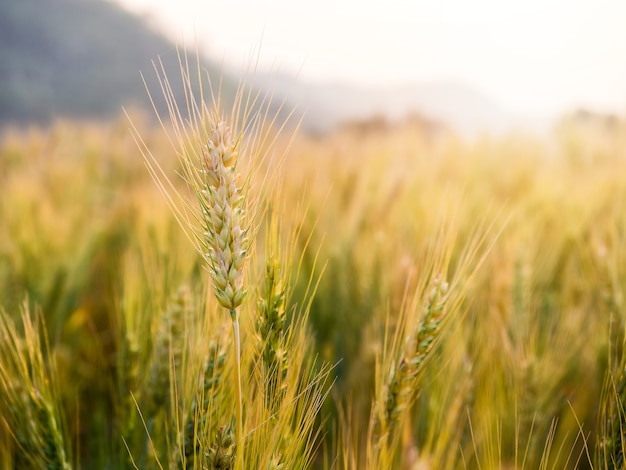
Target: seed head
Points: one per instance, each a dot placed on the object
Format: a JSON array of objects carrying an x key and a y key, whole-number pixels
[{"x": 225, "y": 233}]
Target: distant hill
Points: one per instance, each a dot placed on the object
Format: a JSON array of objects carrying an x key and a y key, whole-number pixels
[
  {"x": 329, "y": 104},
  {"x": 78, "y": 58},
  {"x": 82, "y": 58}
]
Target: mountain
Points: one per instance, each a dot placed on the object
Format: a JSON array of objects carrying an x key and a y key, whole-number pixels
[
  {"x": 82, "y": 59},
  {"x": 330, "y": 104},
  {"x": 79, "y": 58}
]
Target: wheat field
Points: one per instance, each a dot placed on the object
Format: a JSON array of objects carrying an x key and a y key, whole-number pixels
[{"x": 219, "y": 293}]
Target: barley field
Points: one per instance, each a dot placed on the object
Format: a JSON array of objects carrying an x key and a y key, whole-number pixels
[{"x": 223, "y": 292}]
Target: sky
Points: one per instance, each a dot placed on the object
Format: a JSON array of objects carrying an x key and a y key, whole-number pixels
[{"x": 534, "y": 58}]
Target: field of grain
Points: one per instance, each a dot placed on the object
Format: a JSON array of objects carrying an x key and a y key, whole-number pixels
[{"x": 412, "y": 300}]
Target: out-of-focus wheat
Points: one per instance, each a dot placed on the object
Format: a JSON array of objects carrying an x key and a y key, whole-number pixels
[
  {"x": 28, "y": 396},
  {"x": 402, "y": 385}
]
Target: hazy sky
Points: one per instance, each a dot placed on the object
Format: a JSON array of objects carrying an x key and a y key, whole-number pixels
[{"x": 533, "y": 57}]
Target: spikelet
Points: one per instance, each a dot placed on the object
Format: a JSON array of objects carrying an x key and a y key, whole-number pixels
[
  {"x": 168, "y": 350},
  {"x": 270, "y": 327},
  {"x": 402, "y": 384},
  {"x": 223, "y": 216},
  {"x": 276, "y": 463},
  {"x": 222, "y": 452}
]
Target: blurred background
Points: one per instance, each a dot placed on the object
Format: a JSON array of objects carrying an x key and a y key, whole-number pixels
[
  {"x": 474, "y": 66},
  {"x": 482, "y": 141}
]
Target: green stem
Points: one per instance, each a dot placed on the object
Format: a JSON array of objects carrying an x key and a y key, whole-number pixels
[{"x": 238, "y": 397}]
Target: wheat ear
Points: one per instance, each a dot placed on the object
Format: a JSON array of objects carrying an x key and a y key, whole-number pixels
[
  {"x": 201, "y": 404},
  {"x": 222, "y": 452},
  {"x": 168, "y": 351},
  {"x": 225, "y": 236},
  {"x": 223, "y": 214},
  {"x": 28, "y": 394},
  {"x": 270, "y": 327},
  {"x": 402, "y": 385}
]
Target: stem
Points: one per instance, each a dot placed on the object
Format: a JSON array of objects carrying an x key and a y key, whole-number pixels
[{"x": 238, "y": 398}]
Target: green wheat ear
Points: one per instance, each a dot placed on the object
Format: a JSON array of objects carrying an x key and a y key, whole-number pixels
[
  {"x": 221, "y": 455},
  {"x": 28, "y": 395},
  {"x": 271, "y": 319},
  {"x": 201, "y": 406},
  {"x": 168, "y": 351},
  {"x": 403, "y": 381}
]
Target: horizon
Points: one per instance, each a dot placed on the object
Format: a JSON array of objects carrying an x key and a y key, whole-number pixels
[{"x": 534, "y": 60}]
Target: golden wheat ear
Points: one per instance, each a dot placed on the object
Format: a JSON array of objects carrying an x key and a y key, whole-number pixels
[
  {"x": 223, "y": 216},
  {"x": 208, "y": 148}
]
